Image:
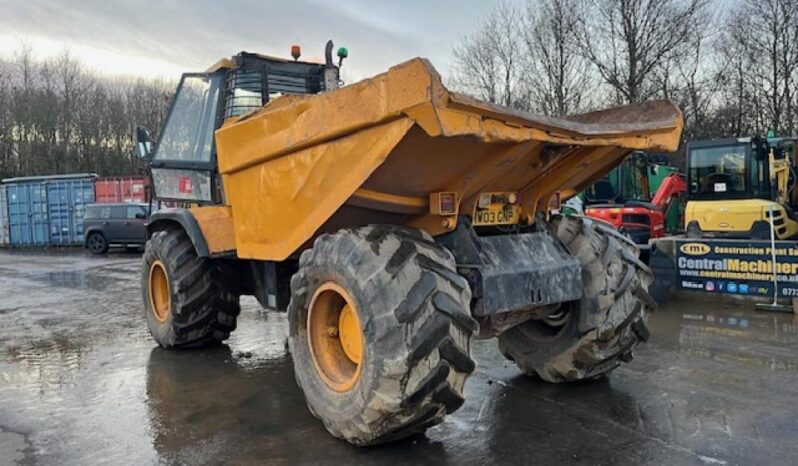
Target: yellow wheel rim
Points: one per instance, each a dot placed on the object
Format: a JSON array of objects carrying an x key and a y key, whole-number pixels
[
  {"x": 349, "y": 334},
  {"x": 160, "y": 294},
  {"x": 335, "y": 337}
]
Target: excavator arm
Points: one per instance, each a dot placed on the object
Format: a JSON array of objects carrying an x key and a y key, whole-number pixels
[{"x": 672, "y": 186}]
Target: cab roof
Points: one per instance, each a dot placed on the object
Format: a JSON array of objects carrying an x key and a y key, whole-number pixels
[{"x": 229, "y": 63}]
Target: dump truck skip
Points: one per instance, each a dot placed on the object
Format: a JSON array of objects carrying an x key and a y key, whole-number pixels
[{"x": 395, "y": 221}]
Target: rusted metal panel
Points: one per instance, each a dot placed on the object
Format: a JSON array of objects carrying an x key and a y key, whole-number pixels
[{"x": 121, "y": 189}]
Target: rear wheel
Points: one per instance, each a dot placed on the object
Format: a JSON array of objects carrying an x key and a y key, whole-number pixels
[
  {"x": 96, "y": 243},
  {"x": 590, "y": 337},
  {"x": 380, "y": 333},
  {"x": 189, "y": 301}
]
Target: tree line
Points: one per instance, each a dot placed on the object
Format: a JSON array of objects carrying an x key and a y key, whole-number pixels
[
  {"x": 58, "y": 117},
  {"x": 730, "y": 65}
]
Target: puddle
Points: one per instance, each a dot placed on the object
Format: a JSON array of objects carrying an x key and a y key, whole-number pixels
[{"x": 81, "y": 382}]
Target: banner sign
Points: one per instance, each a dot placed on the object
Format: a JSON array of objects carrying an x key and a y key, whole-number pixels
[{"x": 739, "y": 267}]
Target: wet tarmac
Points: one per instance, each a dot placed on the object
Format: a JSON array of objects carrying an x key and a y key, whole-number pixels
[{"x": 81, "y": 382}]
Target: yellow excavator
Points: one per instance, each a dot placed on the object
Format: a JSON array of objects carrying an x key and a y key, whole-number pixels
[
  {"x": 394, "y": 221},
  {"x": 735, "y": 185}
]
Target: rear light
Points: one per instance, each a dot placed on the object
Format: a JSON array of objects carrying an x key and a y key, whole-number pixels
[{"x": 443, "y": 203}]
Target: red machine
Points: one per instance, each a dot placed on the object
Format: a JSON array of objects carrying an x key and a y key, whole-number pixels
[{"x": 639, "y": 219}]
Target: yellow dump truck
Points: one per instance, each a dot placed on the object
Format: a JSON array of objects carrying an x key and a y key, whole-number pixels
[{"x": 395, "y": 221}]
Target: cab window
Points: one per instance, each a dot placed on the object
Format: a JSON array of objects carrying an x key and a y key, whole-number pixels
[
  {"x": 92, "y": 211},
  {"x": 244, "y": 92},
  {"x": 188, "y": 132},
  {"x": 760, "y": 173},
  {"x": 133, "y": 211},
  {"x": 716, "y": 170},
  {"x": 604, "y": 190},
  {"x": 118, "y": 212}
]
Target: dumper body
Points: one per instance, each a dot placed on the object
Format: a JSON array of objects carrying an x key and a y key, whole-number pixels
[{"x": 400, "y": 136}]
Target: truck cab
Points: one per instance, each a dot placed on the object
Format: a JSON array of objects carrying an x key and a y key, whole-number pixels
[{"x": 182, "y": 161}]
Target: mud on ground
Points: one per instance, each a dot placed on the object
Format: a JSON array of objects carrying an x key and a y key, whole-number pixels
[{"x": 81, "y": 382}]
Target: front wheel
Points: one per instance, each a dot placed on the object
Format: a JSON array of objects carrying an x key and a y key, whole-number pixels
[
  {"x": 189, "y": 301},
  {"x": 380, "y": 333},
  {"x": 588, "y": 338}
]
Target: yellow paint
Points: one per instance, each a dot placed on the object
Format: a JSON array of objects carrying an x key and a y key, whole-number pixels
[
  {"x": 372, "y": 152},
  {"x": 279, "y": 204},
  {"x": 216, "y": 224},
  {"x": 159, "y": 291},
  {"x": 335, "y": 338},
  {"x": 738, "y": 216},
  {"x": 350, "y": 335},
  {"x": 388, "y": 202},
  {"x": 224, "y": 63},
  {"x": 780, "y": 176}
]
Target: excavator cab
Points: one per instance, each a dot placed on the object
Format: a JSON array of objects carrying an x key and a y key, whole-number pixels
[
  {"x": 627, "y": 182},
  {"x": 182, "y": 162},
  {"x": 735, "y": 184}
]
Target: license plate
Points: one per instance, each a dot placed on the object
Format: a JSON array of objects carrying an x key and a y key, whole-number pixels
[{"x": 496, "y": 209}]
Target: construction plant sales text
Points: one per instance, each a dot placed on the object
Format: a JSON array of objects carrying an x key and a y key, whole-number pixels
[{"x": 736, "y": 265}]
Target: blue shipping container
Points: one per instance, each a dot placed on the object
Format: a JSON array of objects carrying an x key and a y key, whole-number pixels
[
  {"x": 66, "y": 201},
  {"x": 27, "y": 214},
  {"x": 3, "y": 217},
  {"x": 48, "y": 209}
]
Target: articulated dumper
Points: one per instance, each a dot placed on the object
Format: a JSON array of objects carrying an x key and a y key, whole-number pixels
[{"x": 394, "y": 221}]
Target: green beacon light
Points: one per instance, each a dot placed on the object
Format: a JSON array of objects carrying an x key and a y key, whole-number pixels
[
  {"x": 771, "y": 134},
  {"x": 342, "y": 53}
]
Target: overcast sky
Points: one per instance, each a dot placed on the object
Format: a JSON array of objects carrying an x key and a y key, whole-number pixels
[{"x": 166, "y": 37}]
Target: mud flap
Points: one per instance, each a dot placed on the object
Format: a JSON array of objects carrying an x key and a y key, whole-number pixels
[{"x": 514, "y": 272}]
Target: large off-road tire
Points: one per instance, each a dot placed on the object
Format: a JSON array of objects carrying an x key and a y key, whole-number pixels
[
  {"x": 189, "y": 301},
  {"x": 412, "y": 324},
  {"x": 591, "y": 337}
]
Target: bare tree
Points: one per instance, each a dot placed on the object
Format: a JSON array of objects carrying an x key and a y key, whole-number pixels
[
  {"x": 628, "y": 40},
  {"x": 559, "y": 79},
  {"x": 693, "y": 78},
  {"x": 762, "y": 39},
  {"x": 489, "y": 64},
  {"x": 57, "y": 117}
]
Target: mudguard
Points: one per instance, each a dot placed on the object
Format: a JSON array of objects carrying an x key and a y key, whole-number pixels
[{"x": 183, "y": 217}]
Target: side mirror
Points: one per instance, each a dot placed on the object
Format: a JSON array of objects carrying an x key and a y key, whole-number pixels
[
  {"x": 141, "y": 215},
  {"x": 143, "y": 142}
]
